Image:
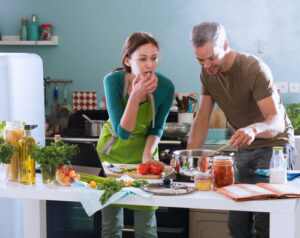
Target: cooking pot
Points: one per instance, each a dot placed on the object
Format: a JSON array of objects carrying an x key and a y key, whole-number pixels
[
  {"x": 92, "y": 127},
  {"x": 176, "y": 129},
  {"x": 187, "y": 162}
]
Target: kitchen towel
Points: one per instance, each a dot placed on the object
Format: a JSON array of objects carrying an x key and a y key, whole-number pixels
[
  {"x": 89, "y": 197},
  {"x": 291, "y": 174},
  {"x": 84, "y": 100}
]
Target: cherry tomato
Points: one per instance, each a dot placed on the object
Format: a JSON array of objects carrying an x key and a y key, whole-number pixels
[{"x": 142, "y": 168}]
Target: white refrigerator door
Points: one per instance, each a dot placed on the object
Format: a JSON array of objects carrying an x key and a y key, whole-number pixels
[{"x": 22, "y": 99}]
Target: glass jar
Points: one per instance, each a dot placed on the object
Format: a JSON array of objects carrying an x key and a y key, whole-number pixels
[
  {"x": 223, "y": 173},
  {"x": 13, "y": 132},
  {"x": 202, "y": 181}
]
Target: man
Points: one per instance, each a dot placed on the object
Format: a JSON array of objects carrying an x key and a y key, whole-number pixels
[{"x": 242, "y": 85}]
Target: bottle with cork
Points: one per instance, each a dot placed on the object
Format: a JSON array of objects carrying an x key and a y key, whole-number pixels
[
  {"x": 27, "y": 163},
  {"x": 33, "y": 29}
]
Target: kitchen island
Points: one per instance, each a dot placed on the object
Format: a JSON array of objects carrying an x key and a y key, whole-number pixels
[{"x": 284, "y": 213}]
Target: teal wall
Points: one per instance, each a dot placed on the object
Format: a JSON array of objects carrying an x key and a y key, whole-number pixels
[{"x": 91, "y": 34}]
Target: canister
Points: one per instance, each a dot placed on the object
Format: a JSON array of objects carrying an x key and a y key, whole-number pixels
[
  {"x": 13, "y": 132},
  {"x": 222, "y": 170}
]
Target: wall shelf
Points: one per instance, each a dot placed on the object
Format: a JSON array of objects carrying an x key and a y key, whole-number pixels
[{"x": 15, "y": 40}]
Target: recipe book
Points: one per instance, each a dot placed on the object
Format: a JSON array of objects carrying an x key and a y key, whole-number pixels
[{"x": 244, "y": 192}]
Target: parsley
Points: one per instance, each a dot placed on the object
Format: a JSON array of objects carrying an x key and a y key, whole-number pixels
[{"x": 55, "y": 155}]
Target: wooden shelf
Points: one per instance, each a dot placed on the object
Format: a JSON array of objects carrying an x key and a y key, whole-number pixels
[{"x": 15, "y": 40}]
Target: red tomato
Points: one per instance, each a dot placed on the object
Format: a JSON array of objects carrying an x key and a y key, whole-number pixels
[
  {"x": 156, "y": 168},
  {"x": 143, "y": 168}
]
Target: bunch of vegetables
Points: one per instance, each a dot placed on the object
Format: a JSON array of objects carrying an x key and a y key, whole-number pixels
[
  {"x": 109, "y": 185},
  {"x": 153, "y": 167},
  {"x": 54, "y": 155},
  {"x": 6, "y": 149}
]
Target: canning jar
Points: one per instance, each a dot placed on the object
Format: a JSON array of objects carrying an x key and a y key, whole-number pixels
[
  {"x": 202, "y": 181},
  {"x": 13, "y": 132},
  {"x": 223, "y": 173}
]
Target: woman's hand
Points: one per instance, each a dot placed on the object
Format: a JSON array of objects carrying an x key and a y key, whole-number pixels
[{"x": 144, "y": 84}]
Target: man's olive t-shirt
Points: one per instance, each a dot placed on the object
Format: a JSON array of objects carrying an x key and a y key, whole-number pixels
[{"x": 237, "y": 92}]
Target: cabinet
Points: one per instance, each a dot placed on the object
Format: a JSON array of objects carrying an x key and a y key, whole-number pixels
[
  {"x": 15, "y": 40},
  {"x": 208, "y": 224}
]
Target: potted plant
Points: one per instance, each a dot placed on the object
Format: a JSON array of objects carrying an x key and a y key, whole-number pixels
[
  {"x": 52, "y": 157},
  {"x": 293, "y": 112}
]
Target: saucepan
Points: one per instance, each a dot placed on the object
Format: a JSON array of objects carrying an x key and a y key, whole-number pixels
[
  {"x": 176, "y": 129},
  {"x": 92, "y": 127},
  {"x": 188, "y": 162}
]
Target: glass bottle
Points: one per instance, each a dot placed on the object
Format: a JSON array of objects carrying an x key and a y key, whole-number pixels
[
  {"x": 27, "y": 164},
  {"x": 24, "y": 29},
  {"x": 223, "y": 172},
  {"x": 278, "y": 166},
  {"x": 13, "y": 132},
  {"x": 33, "y": 29}
]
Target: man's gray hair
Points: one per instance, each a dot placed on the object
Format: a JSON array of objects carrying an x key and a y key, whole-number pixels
[{"x": 208, "y": 31}]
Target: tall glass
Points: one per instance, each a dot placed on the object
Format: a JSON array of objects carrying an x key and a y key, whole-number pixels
[{"x": 13, "y": 132}]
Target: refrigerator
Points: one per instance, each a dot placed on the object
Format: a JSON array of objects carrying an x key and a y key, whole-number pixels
[{"x": 21, "y": 99}]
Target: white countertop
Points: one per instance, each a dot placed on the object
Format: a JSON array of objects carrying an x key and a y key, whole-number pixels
[
  {"x": 198, "y": 199},
  {"x": 284, "y": 213}
]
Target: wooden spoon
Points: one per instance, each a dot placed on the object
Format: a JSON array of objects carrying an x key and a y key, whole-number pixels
[{"x": 218, "y": 150}]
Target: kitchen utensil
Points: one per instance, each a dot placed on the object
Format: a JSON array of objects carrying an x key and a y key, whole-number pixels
[
  {"x": 176, "y": 129},
  {"x": 65, "y": 109},
  {"x": 92, "y": 127},
  {"x": 173, "y": 190},
  {"x": 218, "y": 150}
]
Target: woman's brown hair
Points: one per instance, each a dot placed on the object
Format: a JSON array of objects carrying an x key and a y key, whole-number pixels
[{"x": 134, "y": 41}]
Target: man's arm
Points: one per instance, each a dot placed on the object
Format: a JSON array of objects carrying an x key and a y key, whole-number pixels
[
  {"x": 201, "y": 123},
  {"x": 269, "y": 128}
]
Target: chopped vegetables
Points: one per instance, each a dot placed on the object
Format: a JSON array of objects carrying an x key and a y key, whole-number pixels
[{"x": 109, "y": 185}]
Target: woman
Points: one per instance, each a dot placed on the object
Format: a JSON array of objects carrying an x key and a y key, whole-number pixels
[{"x": 138, "y": 102}]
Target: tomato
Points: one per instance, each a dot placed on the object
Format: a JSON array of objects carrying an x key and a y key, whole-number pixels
[
  {"x": 156, "y": 168},
  {"x": 143, "y": 168}
]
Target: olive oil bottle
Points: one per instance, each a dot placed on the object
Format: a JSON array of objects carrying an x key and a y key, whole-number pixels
[{"x": 27, "y": 164}]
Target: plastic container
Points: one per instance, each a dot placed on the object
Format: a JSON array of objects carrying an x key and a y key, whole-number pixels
[
  {"x": 278, "y": 166},
  {"x": 13, "y": 132},
  {"x": 202, "y": 181},
  {"x": 223, "y": 172}
]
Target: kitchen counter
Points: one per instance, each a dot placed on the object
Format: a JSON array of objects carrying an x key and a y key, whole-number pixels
[{"x": 284, "y": 213}]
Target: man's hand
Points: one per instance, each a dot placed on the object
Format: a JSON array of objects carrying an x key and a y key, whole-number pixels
[{"x": 243, "y": 137}]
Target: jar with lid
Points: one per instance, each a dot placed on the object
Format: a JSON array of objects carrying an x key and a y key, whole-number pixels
[
  {"x": 278, "y": 166},
  {"x": 202, "y": 181},
  {"x": 223, "y": 172},
  {"x": 13, "y": 132}
]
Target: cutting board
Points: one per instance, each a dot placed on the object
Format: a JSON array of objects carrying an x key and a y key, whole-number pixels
[
  {"x": 134, "y": 174},
  {"x": 218, "y": 119}
]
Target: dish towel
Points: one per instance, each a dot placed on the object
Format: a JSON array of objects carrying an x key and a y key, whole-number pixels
[
  {"x": 290, "y": 174},
  {"x": 89, "y": 197}
]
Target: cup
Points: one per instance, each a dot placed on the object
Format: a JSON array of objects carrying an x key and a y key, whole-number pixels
[{"x": 186, "y": 117}]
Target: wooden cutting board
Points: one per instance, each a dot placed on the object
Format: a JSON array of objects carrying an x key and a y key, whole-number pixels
[
  {"x": 134, "y": 174},
  {"x": 218, "y": 119}
]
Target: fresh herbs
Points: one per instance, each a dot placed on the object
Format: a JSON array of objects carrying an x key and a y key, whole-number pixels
[
  {"x": 110, "y": 187},
  {"x": 293, "y": 111},
  {"x": 6, "y": 150},
  {"x": 54, "y": 155}
]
